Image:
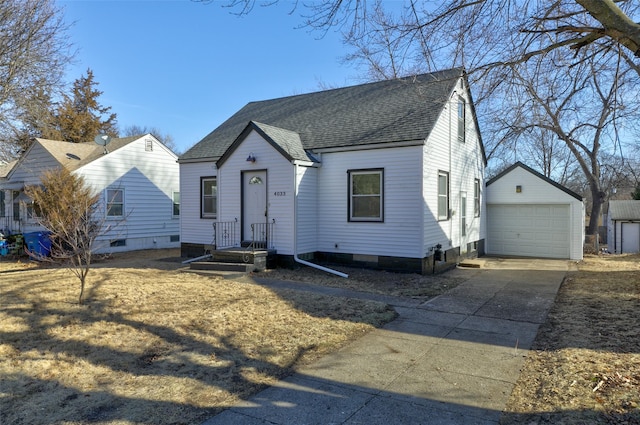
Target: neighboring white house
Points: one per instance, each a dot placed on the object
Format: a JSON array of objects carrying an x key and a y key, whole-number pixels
[
  {"x": 623, "y": 227},
  {"x": 530, "y": 215},
  {"x": 386, "y": 174},
  {"x": 138, "y": 178}
]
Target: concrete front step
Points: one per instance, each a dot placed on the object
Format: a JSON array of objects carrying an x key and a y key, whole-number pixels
[{"x": 222, "y": 266}]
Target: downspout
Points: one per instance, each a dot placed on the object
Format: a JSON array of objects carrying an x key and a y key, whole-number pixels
[{"x": 295, "y": 230}]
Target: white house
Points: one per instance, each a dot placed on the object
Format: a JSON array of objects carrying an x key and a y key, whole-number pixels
[
  {"x": 530, "y": 215},
  {"x": 386, "y": 175},
  {"x": 623, "y": 227},
  {"x": 138, "y": 178}
]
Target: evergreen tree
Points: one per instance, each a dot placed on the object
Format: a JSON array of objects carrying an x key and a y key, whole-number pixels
[
  {"x": 636, "y": 193},
  {"x": 79, "y": 118}
]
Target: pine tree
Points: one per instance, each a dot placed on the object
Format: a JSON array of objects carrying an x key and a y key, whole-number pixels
[
  {"x": 79, "y": 118},
  {"x": 636, "y": 193}
]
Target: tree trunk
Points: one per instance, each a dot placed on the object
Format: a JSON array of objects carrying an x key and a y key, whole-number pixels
[{"x": 598, "y": 197}]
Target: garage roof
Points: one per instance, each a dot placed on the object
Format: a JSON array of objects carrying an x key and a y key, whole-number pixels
[{"x": 624, "y": 210}]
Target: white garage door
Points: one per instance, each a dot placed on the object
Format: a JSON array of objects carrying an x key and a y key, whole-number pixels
[{"x": 528, "y": 230}]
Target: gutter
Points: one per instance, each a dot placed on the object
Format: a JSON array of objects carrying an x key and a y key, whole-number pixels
[{"x": 295, "y": 231}]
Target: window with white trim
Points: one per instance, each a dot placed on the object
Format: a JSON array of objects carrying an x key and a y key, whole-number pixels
[
  {"x": 115, "y": 202},
  {"x": 208, "y": 198},
  {"x": 3, "y": 211},
  {"x": 366, "y": 191},
  {"x": 443, "y": 195}
]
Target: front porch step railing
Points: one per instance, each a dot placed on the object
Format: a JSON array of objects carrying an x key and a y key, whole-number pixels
[
  {"x": 9, "y": 225},
  {"x": 229, "y": 257}
]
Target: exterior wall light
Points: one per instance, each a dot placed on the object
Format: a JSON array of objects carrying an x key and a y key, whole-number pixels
[{"x": 251, "y": 157}]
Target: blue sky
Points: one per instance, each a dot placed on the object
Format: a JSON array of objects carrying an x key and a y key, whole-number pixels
[{"x": 184, "y": 67}]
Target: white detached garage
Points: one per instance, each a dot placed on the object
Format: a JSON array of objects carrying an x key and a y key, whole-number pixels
[{"x": 530, "y": 215}]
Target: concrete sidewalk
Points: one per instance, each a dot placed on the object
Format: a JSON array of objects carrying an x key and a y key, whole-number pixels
[{"x": 452, "y": 360}]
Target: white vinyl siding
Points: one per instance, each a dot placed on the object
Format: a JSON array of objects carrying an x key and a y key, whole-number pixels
[
  {"x": 464, "y": 164},
  {"x": 307, "y": 209},
  {"x": 400, "y": 234},
  {"x": 148, "y": 179},
  {"x": 193, "y": 228}
]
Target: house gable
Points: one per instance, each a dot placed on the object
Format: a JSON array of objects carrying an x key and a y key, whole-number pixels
[
  {"x": 286, "y": 142},
  {"x": 520, "y": 165}
]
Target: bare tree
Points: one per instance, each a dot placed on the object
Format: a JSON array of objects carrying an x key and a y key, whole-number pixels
[
  {"x": 563, "y": 23},
  {"x": 66, "y": 206},
  {"x": 34, "y": 51}
]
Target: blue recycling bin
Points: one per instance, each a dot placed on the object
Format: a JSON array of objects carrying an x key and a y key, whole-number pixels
[
  {"x": 38, "y": 244},
  {"x": 4, "y": 248}
]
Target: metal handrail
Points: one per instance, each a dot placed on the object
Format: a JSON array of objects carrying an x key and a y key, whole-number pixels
[{"x": 224, "y": 234}]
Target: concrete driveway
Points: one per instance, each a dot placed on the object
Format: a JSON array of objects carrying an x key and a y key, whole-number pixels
[{"x": 451, "y": 360}]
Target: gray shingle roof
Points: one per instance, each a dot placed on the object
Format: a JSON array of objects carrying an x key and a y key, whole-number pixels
[
  {"x": 382, "y": 112},
  {"x": 624, "y": 210}
]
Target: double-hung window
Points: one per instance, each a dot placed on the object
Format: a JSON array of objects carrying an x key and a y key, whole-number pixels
[
  {"x": 208, "y": 198},
  {"x": 176, "y": 204},
  {"x": 443, "y": 195},
  {"x": 461, "y": 119},
  {"x": 476, "y": 197},
  {"x": 3, "y": 206},
  {"x": 115, "y": 202},
  {"x": 366, "y": 195}
]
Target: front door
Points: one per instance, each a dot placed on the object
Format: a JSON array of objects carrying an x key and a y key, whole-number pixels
[{"x": 254, "y": 201}]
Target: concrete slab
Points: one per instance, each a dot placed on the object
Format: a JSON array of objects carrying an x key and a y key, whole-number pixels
[
  {"x": 406, "y": 412},
  {"x": 299, "y": 400},
  {"x": 454, "y": 359}
]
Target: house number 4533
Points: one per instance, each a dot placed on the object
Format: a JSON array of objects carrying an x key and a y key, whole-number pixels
[{"x": 279, "y": 193}]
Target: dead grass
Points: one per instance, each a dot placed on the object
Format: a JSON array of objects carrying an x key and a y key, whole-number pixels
[
  {"x": 153, "y": 344},
  {"x": 416, "y": 286},
  {"x": 586, "y": 365}
]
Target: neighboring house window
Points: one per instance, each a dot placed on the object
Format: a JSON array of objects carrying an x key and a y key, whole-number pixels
[
  {"x": 3, "y": 207},
  {"x": 443, "y": 195},
  {"x": 476, "y": 197},
  {"x": 209, "y": 191},
  {"x": 461, "y": 119},
  {"x": 33, "y": 211},
  {"x": 115, "y": 202},
  {"x": 366, "y": 201},
  {"x": 16, "y": 205},
  {"x": 176, "y": 204}
]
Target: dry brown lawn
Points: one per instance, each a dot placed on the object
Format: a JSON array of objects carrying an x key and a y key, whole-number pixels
[
  {"x": 585, "y": 367},
  {"x": 153, "y": 344}
]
